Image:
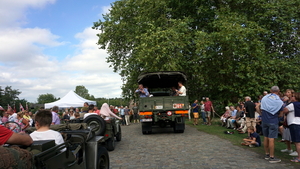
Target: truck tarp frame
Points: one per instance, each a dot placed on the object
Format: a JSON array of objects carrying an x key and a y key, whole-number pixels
[{"x": 164, "y": 79}]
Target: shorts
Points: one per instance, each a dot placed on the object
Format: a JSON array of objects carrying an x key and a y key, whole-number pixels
[
  {"x": 196, "y": 115},
  {"x": 295, "y": 133},
  {"x": 207, "y": 113},
  {"x": 286, "y": 134},
  {"x": 250, "y": 122},
  {"x": 270, "y": 130}
]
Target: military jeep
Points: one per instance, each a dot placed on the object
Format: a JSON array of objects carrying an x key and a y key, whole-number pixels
[
  {"x": 161, "y": 108},
  {"x": 82, "y": 149},
  {"x": 109, "y": 129}
]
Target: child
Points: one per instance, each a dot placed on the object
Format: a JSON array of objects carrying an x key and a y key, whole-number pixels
[
  {"x": 43, "y": 120},
  {"x": 254, "y": 140}
]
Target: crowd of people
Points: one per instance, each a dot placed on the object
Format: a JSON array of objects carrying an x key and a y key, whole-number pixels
[{"x": 274, "y": 113}]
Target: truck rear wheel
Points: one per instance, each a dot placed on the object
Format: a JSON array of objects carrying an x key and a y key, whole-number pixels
[
  {"x": 102, "y": 159},
  {"x": 110, "y": 144},
  {"x": 146, "y": 128},
  {"x": 179, "y": 125}
]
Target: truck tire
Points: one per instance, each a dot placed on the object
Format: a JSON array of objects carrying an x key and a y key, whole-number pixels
[
  {"x": 102, "y": 159},
  {"x": 119, "y": 134},
  {"x": 146, "y": 128},
  {"x": 97, "y": 123},
  {"x": 110, "y": 144}
]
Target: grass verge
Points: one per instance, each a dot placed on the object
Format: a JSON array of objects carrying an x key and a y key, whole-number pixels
[{"x": 236, "y": 139}]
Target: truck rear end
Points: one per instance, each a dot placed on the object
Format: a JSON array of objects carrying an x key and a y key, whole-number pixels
[{"x": 162, "y": 109}]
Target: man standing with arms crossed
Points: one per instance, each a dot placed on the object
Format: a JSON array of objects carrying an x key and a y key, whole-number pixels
[
  {"x": 208, "y": 107},
  {"x": 271, "y": 109}
]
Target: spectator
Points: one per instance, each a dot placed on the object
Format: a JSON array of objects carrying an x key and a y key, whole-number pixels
[
  {"x": 271, "y": 109},
  {"x": 208, "y": 107},
  {"x": 253, "y": 140},
  {"x": 293, "y": 121},
  {"x": 43, "y": 120},
  {"x": 27, "y": 117},
  {"x": 250, "y": 113},
  {"x": 173, "y": 91},
  {"x": 5, "y": 117},
  {"x": 127, "y": 115},
  {"x": 85, "y": 108},
  {"x": 106, "y": 113},
  {"x": 231, "y": 120},
  {"x": 66, "y": 116},
  {"x": 55, "y": 117},
  {"x": 202, "y": 112},
  {"x": 96, "y": 110},
  {"x": 225, "y": 116},
  {"x": 258, "y": 125},
  {"x": 9, "y": 137},
  {"x": 135, "y": 111},
  {"x": 72, "y": 116},
  {"x": 240, "y": 121},
  {"x": 284, "y": 128},
  {"x": 77, "y": 117},
  {"x": 143, "y": 92},
  {"x": 23, "y": 123},
  {"x": 122, "y": 114},
  {"x": 195, "y": 108},
  {"x": 182, "y": 90},
  {"x": 90, "y": 112},
  {"x": 12, "y": 115}
]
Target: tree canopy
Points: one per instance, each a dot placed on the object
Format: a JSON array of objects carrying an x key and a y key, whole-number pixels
[
  {"x": 46, "y": 98},
  {"x": 83, "y": 92},
  {"x": 228, "y": 49}
]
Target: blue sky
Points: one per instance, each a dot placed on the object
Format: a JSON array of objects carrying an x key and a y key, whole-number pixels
[{"x": 49, "y": 47}]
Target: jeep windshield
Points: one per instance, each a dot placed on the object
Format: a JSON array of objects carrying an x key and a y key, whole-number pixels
[{"x": 160, "y": 83}]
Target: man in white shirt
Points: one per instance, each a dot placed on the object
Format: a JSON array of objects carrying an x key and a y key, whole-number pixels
[
  {"x": 12, "y": 115},
  {"x": 182, "y": 90}
]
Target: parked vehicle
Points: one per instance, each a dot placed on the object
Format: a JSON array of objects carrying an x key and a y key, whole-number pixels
[{"x": 162, "y": 109}]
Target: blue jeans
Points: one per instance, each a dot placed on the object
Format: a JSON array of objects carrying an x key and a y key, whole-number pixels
[{"x": 203, "y": 116}]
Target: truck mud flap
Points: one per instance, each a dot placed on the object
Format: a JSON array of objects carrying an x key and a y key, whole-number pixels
[{"x": 179, "y": 125}]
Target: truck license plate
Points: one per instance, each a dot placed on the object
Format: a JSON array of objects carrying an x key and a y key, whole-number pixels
[{"x": 146, "y": 120}]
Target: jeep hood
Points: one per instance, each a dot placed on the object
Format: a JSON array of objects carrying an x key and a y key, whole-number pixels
[{"x": 161, "y": 79}]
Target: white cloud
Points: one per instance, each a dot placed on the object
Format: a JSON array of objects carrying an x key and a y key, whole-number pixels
[
  {"x": 24, "y": 66},
  {"x": 12, "y": 12}
]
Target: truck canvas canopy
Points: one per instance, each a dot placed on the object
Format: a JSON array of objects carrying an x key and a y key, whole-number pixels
[{"x": 164, "y": 79}]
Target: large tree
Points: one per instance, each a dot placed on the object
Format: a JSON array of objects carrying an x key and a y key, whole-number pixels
[
  {"x": 46, "y": 98},
  {"x": 228, "y": 48},
  {"x": 9, "y": 96},
  {"x": 83, "y": 92}
]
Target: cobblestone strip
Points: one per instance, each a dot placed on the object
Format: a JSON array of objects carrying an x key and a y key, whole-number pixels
[{"x": 189, "y": 150}]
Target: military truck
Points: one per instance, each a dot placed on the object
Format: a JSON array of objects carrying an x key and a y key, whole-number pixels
[{"x": 161, "y": 108}]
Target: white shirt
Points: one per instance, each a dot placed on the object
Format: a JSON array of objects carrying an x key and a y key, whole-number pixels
[
  {"x": 47, "y": 135},
  {"x": 13, "y": 117},
  {"x": 291, "y": 119},
  {"x": 183, "y": 91}
]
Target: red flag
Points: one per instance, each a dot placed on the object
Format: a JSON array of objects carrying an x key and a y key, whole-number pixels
[
  {"x": 21, "y": 107},
  {"x": 8, "y": 106},
  {"x": 15, "y": 108}
]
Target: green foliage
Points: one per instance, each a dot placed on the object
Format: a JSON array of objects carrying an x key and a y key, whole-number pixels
[
  {"x": 9, "y": 96},
  {"x": 83, "y": 92},
  {"x": 228, "y": 49},
  {"x": 46, "y": 98}
]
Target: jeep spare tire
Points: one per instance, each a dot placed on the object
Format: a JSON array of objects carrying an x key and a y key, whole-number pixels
[{"x": 97, "y": 124}]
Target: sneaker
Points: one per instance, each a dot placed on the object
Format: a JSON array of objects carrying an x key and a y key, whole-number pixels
[
  {"x": 286, "y": 151},
  {"x": 274, "y": 160},
  {"x": 267, "y": 157},
  {"x": 294, "y": 154}
]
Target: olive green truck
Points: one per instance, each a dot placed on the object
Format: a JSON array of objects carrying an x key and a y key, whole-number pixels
[{"x": 162, "y": 109}]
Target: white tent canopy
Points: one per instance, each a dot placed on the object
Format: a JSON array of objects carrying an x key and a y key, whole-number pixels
[{"x": 69, "y": 100}]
